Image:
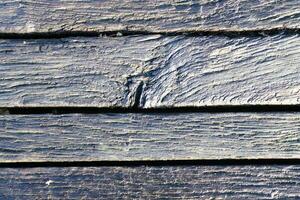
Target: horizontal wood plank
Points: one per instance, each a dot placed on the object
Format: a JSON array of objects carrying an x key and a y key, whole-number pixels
[
  {"x": 150, "y": 71},
  {"x": 178, "y": 182},
  {"x": 24, "y": 16},
  {"x": 210, "y": 71},
  {"x": 100, "y": 72},
  {"x": 125, "y": 137}
]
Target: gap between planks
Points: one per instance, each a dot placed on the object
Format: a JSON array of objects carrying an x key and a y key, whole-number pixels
[
  {"x": 154, "y": 163},
  {"x": 123, "y": 33},
  {"x": 187, "y": 109}
]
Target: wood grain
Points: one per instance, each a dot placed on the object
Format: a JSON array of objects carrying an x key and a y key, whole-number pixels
[
  {"x": 150, "y": 71},
  {"x": 99, "y": 71},
  {"x": 210, "y": 71},
  {"x": 185, "y": 182},
  {"x": 26, "y": 16},
  {"x": 114, "y": 137}
]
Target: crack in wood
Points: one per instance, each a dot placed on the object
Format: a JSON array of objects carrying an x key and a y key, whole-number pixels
[{"x": 138, "y": 95}]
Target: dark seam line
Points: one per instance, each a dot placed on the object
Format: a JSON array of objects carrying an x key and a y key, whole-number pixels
[
  {"x": 160, "y": 163},
  {"x": 119, "y": 33},
  {"x": 200, "y": 109}
]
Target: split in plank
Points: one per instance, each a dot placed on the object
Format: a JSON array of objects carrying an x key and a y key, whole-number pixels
[
  {"x": 24, "y": 16},
  {"x": 150, "y": 71},
  {"x": 127, "y": 137},
  {"x": 176, "y": 182}
]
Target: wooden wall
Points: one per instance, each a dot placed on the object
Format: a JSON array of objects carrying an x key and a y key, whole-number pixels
[{"x": 149, "y": 99}]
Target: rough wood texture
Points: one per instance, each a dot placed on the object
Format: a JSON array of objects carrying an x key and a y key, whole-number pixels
[
  {"x": 73, "y": 71},
  {"x": 23, "y": 16},
  {"x": 190, "y": 182},
  {"x": 150, "y": 71},
  {"x": 76, "y": 137},
  {"x": 200, "y": 71}
]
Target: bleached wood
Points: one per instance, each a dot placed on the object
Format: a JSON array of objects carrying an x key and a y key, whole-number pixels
[
  {"x": 150, "y": 71},
  {"x": 98, "y": 72},
  {"x": 26, "y": 16},
  {"x": 210, "y": 71},
  {"x": 121, "y": 137},
  {"x": 178, "y": 182}
]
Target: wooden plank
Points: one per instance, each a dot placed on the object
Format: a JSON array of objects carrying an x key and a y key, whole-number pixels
[
  {"x": 150, "y": 71},
  {"x": 24, "y": 16},
  {"x": 100, "y": 72},
  {"x": 115, "y": 137},
  {"x": 205, "y": 71},
  {"x": 178, "y": 182}
]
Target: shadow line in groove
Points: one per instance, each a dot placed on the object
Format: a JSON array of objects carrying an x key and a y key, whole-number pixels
[
  {"x": 120, "y": 33},
  {"x": 160, "y": 163},
  {"x": 187, "y": 109}
]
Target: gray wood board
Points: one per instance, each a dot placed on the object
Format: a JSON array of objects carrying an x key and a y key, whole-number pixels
[
  {"x": 26, "y": 16},
  {"x": 205, "y": 71},
  {"x": 178, "y": 182},
  {"x": 98, "y": 72},
  {"x": 115, "y": 137},
  {"x": 150, "y": 71}
]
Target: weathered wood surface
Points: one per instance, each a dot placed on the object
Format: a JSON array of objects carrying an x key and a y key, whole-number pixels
[
  {"x": 181, "y": 182},
  {"x": 150, "y": 71},
  {"x": 114, "y": 137},
  {"x": 97, "y": 72},
  {"x": 26, "y": 16},
  {"x": 201, "y": 71}
]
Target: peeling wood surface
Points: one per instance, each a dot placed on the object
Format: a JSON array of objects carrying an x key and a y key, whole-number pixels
[
  {"x": 185, "y": 182},
  {"x": 150, "y": 71},
  {"x": 25, "y": 16},
  {"x": 114, "y": 137},
  {"x": 99, "y": 72}
]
